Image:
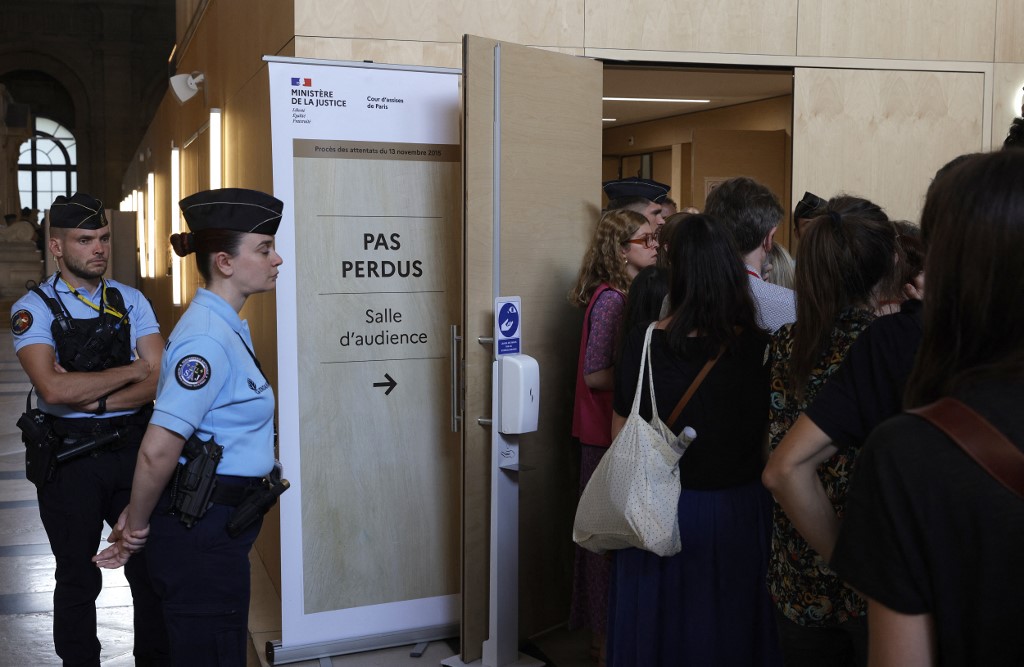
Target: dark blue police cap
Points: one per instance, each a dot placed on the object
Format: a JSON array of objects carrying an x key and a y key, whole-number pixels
[
  {"x": 79, "y": 211},
  {"x": 635, "y": 187},
  {"x": 236, "y": 209},
  {"x": 806, "y": 207}
]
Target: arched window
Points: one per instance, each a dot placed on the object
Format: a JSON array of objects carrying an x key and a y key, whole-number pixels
[{"x": 47, "y": 165}]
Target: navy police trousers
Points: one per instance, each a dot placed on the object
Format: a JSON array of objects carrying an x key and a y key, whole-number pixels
[{"x": 202, "y": 577}]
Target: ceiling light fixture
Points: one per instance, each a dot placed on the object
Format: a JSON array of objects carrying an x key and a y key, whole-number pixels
[
  {"x": 653, "y": 99},
  {"x": 609, "y": 120}
]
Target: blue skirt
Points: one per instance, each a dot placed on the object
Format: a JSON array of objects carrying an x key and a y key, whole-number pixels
[{"x": 708, "y": 604}]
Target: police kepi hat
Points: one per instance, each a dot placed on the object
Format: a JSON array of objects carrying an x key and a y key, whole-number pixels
[
  {"x": 806, "y": 207},
  {"x": 79, "y": 211},
  {"x": 235, "y": 209},
  {"x": 635, "y": 187}
]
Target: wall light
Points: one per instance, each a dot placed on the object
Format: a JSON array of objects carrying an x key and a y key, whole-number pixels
[
  {"x": 140, "y": 231},
  {"x": 175, "y": 224},
  {"x": 151, "y": 223},
  {"x": 215, "y": 149}
]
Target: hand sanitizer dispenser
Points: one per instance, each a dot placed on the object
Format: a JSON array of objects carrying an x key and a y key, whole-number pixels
[{"x": 520, "y": 393}]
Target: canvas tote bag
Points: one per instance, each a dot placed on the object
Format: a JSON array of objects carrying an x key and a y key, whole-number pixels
[{"x": 632, "y": 499}]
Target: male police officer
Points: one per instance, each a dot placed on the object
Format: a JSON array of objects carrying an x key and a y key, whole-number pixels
[
  {"x": 92, "y": 349},
  {"x": 638, "y": 194}
]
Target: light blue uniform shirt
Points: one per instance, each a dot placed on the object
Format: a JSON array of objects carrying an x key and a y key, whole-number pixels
[
  {"x": 31, "y": 320},
  {"x": 210, "y": 385}
]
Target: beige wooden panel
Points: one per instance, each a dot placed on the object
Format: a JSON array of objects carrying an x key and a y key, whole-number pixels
[
  {"x": 1008, "y": 87},
  {"x": 632, "y": 165},
  {"x": 246, "y": 31},
  {"x": 682, "y": 170},
  {"x": 1009, "y": 31},
  {"x": 766, "y": 115},
  {"x": 908, "y": 29},
  {"x": 551, "y": 162},
  {"x": 379, "y": 281},
  {"x": 725, "y": 26},
  {"x": 661, "y": 169},
  {"x": 882, "y": 134},
  {"x": 246, "y": 139},
  {"x": 246, "y": 135},
  {"x": 528, "y": 21},
  {"x": 428, "y": 54},
  {"x": 721, "y": 154}
]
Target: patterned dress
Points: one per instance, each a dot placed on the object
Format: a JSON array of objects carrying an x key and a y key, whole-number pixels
[
  {"x": 805, "y": 589},
  {"x": 592, "y": 572}
]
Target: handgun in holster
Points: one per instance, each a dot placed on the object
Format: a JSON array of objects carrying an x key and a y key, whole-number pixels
[
  {"x": 41, "y": 445},
  {"x": 194, "y": 480},
  {"x": 258, "y": 502}
]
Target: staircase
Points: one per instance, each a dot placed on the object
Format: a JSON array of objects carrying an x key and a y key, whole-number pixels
[{"x": 13, "y": 381}]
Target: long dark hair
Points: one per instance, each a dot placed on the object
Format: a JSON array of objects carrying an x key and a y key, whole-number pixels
[
  {"x": 973, "y": 227},
  {"x": 708, "y": 287},
  {"x": 844, "y": 254},
  {"x": 206, "y": 243},
  {"x": 643, "y": 301}
]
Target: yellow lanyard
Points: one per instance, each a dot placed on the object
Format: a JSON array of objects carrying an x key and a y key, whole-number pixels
[{"x": 103, "y": 299}]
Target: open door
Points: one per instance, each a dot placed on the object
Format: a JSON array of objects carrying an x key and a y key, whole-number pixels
[{"x": 532, "y": 165}]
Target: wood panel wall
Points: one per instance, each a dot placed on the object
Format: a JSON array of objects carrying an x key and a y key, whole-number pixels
[
  {"x": 765, "y": 115},
  {"x": 722, "y": 154},
  {"x": 912, "y": 30},
  {"x": 882, "y": 135},
  {"x": 725, "y": 26},
  {"x": 530, "y": 22}
]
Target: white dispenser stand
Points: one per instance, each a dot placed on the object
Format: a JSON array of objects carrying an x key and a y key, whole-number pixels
[{"x": 515, "y": 401}]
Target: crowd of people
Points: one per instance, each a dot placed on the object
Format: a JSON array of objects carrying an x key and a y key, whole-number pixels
[{"x": 820, "y": 524}]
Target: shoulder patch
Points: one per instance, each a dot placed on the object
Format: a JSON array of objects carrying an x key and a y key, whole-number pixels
[
  {"x": 21, "y": 322},
  {"x": 192, "y": 372}
]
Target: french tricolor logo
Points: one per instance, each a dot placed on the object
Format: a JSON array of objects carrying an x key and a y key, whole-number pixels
[{"x": 296, "y": 81}]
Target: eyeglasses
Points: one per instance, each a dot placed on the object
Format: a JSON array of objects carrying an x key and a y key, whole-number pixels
[{"x": 647, "y": 241}]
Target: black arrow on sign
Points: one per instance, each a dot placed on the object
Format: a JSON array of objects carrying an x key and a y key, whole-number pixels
[{"x": 390, "y": 384}]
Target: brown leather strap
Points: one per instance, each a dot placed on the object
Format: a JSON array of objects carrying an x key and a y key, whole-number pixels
[
  {"x": 980, "y": 439},
  {"x": 693, "y": 388}
]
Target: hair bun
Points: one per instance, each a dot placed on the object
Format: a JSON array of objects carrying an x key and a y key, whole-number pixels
[{"x": 183, "y": 244}]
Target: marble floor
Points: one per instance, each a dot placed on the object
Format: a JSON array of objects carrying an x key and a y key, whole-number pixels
[{"x": 26, "y": 579}]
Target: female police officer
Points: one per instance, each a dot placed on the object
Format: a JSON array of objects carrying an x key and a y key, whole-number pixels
[{"x": 212, "y": 392}]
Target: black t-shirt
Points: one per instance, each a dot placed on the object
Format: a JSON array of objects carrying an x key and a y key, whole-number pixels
[
  {"x": 729, "y": 411},
  {"x": 868, "y": 387},
  {"x": 927, "y": 530}
]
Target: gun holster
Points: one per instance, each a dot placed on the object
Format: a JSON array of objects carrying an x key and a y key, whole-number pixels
[
  {"x": 41, "y": 445},
  {"x": 256, "y": 503},
  {"x": 194, "y": 480}
]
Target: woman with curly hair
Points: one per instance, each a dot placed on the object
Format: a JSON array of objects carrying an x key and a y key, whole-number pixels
[{"x": 622, "y": 245}]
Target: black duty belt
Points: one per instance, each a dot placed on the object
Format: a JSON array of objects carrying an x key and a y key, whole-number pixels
[
  {"x": 89, "y": 425},
  {"x": 232, "y": 490}
]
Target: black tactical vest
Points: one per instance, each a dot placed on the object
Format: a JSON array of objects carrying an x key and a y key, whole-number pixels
[{"x": 95, "y": 344}]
